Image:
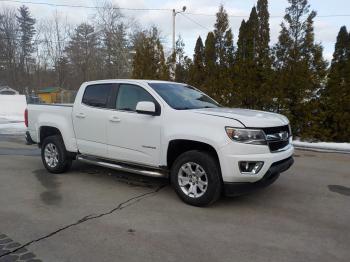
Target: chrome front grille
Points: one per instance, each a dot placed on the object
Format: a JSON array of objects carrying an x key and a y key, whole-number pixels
[{"x": 277, "y": 137}]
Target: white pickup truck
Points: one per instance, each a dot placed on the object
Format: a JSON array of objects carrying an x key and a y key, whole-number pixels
[{"x": 164, "y": 129}]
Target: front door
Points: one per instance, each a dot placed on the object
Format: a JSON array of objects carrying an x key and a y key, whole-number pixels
[{"x": 133, "y": 137}]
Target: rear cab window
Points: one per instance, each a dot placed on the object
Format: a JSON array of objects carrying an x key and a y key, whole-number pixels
[{"x": 98, "y": 95}]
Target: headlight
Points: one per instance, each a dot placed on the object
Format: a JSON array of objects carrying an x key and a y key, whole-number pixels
[{"x": 248, "y": 136}]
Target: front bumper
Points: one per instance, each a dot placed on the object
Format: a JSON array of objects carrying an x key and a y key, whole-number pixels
[
  {"x": 232, "y": 153},
  {"x": 241, "y": 188}
]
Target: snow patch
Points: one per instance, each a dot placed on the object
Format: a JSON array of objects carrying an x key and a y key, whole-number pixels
[
  {"x": 326, "y": 146},
  {"x": 17, "y": 128},
  {"x": 12, "y": 114},
  {"x": 12, "y": 107}
]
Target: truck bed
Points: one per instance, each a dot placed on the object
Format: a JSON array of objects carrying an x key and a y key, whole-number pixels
[{"x": 54, "y": 115}]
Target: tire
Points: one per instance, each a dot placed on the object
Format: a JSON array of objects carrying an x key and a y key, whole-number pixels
[
  {"x": 204, "y": 168},
  {"x": 54, "y": 155}
]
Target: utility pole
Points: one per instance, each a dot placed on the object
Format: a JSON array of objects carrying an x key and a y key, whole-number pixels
[
  {"x": 172, "y": 69},
  {"x": 174, "y": 15}
]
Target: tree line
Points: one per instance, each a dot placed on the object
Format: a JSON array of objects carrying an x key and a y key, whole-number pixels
[
  {"x": 52, "y": 52},
  {"x": 290, "y": 77}
]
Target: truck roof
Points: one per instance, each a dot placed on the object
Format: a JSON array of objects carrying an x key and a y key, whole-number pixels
[{"x": 144, "y": 81}]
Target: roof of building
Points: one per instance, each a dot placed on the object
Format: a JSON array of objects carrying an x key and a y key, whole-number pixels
[
  {"x": 7, "y": 88},
  {"x": 49, "y": 90},
  {"x": 3, "y": 87}
]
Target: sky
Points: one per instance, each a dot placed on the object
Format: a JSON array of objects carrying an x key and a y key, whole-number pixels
[{"x": 199, "y": 17}]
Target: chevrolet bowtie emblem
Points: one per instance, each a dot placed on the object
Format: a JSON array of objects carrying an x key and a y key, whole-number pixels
[{"x": 278, "y": 136}]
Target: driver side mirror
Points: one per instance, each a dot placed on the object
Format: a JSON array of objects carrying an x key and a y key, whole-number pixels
[{"x": 146, "y": 107}]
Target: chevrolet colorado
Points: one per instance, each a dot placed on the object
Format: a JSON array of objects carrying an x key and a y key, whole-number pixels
[{"x": 164, "y": 129}]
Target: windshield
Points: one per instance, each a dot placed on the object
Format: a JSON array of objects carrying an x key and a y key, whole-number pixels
[{"x": 181, "y": 97}]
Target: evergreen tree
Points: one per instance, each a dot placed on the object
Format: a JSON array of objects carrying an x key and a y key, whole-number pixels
[
  {"x": 264, "y": 61},
  {"x": 197, "y": 74},
  {"x": 26, "y": 33},
  {"x": 210, "y": 65},
  {"x": 300, "y": 68},
  {"x": 222, "y": 84},
  {"x": 226, "y": 78},
  {"x": 246, "y": 69},
  {"x": 336, "y": 96},
  {"x": 253, "y": 71},
  {"x": 252, "y": 35},
  {"x": 220, "y": 28},
  {"x": 209, "y": 51},
  {"x": 149, "y": 60},
  {"x": 241, "y": 42},
  {"x": 84, "y": 54},
  {"x": 263, "y": 49},
  {"x": 228, "y": 58},
  {"x": 182, "y": 63}
]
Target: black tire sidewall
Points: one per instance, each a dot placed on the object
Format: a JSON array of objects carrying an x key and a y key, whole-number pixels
[
  {"x": 63, "y": 162},
  {"x": 211, "y": 167}
]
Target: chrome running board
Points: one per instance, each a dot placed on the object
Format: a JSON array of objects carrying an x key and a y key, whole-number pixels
[{"x": 124, "y": 167}]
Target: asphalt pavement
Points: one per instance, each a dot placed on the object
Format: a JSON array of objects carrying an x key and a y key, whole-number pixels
[{"x": 96, "y": 214}]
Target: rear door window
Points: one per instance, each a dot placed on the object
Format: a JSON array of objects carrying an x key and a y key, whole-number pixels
[{"x": 97, "y": 95}]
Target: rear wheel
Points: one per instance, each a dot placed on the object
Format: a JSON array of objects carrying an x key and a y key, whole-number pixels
[
  {"x": 54, "y": 155},
  {"x": 195, "y": 176}
]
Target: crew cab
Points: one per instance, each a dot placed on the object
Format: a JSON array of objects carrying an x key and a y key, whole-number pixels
[{"x": 164, "y": 129}]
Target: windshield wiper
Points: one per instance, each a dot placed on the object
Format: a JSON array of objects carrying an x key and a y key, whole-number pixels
[
  {"x": 183, "y": 108},
  {"x": 188, "y": 108}
]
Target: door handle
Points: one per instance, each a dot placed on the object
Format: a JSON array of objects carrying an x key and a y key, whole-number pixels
[
  {"x": 114, "y": 119},
  {"x": 80, "y": 115}
]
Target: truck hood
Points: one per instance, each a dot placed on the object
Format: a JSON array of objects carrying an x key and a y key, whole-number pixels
[{"x": 249, "y": 118}]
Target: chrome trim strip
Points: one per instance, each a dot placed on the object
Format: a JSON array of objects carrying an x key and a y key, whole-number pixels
[
  {"x": 129, "y": 163},
  {"x": 124, "y": 167}
]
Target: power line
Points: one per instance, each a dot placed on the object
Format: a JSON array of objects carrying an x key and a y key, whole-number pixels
[
  {"x": 204, "y": 14},
  {"x": 85, "y": 6},
  {"x": 38, "y": 40},
  {"x": 335, "y": 15},
  {"x": 153, "y": 9},
  {"x": 271, "y": 16},
  {"x": 194, "y": 21}
]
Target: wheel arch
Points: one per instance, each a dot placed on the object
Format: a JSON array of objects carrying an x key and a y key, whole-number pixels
[
  {"x": 45, "y": 131},
  {"x": 177, "y": 147}
]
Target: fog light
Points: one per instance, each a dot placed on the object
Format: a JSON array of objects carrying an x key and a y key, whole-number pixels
[{"x": 250, "y": 167}]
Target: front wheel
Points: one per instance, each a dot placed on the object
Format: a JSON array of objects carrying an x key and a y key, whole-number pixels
[
  {"x": 195, "y": 176},
  {"x": 54, "y": 155}
]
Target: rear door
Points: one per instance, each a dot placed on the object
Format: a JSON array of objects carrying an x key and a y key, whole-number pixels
[
  {"x": 133, "y": 137},
  {"x": 90, "y": 119}
]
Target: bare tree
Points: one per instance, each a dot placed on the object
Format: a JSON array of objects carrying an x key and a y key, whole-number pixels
[
  {"x": 114, "y": 31},
  {"x": 54, "y": 41},
  {"x": 8, "y": 42}
]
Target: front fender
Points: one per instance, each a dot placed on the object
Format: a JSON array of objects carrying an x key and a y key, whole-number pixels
[{"x": 196, "y": 127}]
